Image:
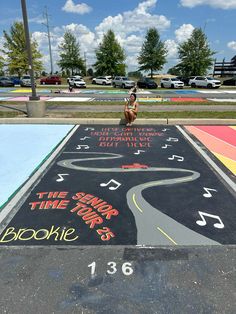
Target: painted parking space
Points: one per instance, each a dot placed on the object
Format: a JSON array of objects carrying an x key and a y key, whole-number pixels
[
  {"x": 124, "y": 186},
  {"x": 23, "y": 149},
  {"x": 220, "y": 140}
]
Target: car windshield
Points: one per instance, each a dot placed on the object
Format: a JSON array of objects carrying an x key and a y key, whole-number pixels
[
  {"x": 125, "y": 78},
  {"x": 210, "y": 78},
  {"x": 174, "y": 79},
  {"x": 26, "y": 77}
]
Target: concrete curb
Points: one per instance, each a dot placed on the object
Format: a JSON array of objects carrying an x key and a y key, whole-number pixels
[{"x": 73, "y": 121}]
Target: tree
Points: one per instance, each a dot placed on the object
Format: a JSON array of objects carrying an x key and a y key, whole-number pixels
[
  {"x": 110, "y": 56},
  {"x": 70, "y": 59},
  {"x": 2, "y": 63},
  {"x": 176, "y": 70},
  {"x": 90, "y": 72},
  {"x": 195, "y": 55},
  {"x": 136, "y": 74},
  {"x": 16, "y": 53},
  {"x": 153, "y": 52}
]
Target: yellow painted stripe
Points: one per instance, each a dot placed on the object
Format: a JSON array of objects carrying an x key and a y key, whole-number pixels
[
  {"x": 233, "y": 127},
  {"x": 21, "y": 91},
  {"x": 135, "y": 203},
  {"x": 166, "y": 235},
  {"x": 229, "y": 163}
]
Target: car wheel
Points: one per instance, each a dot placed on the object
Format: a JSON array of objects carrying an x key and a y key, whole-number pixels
[
  {"x": 56, "y": 83},
  {"x": 123, "y": 86},
  {"x": 103, "y": 83},
  {"x": 209, "y": 86},
  {"x": 93, "y": 82},
  {"x": 162, "y": 85},
  {"x": 172, "y": 86},
  {"x": 193, "y": 85},
  {"x": 114, "y": 85},
  {"x": 43, "y": 83}
]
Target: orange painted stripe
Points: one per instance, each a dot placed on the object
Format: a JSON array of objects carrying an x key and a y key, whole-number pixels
[
  {"x": 213, "y": 144},
  {"x": 224, "y": 133}
]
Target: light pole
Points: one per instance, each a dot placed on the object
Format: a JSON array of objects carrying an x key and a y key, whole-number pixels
[
  {"x": 49, "y": 37},
  {"x": 29, "y": 52}
]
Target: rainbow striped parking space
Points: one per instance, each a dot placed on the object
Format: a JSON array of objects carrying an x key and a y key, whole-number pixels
[{"x": 220, "y": 140}]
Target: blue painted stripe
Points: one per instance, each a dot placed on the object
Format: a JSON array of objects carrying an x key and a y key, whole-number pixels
[{"x": 23, "y": 148}]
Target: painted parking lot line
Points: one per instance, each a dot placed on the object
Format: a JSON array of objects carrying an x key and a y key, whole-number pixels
[
  {"x": 222, "y": 99},
  {"x": 123, "y": 186},
  {"x": 70, "y": 99},
  {"x": 26, "y": 98},
  {"x": 4, "y": 98}
]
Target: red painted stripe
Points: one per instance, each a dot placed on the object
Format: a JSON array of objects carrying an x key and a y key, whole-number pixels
[
  {"x": 223, "y": 133},
  {"x": 188, "y": 99},
  {"x": 213, "y": 144}
]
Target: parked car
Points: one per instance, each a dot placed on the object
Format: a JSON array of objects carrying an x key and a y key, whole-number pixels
[
  {"x": 123, "y": 82},
  {"x": 15, "y": 79},
  {"x": 51, "y": 80},
  {"x": 102, "y": 80},
  {"x": 25, "y": 81},
  {"x": 204, "y": 81},
  {"x": 6, "y": 82},
  {"x": 185, "y": 79},
  {"x": 230, "y": 82},
  {"x": 80, "y": 83},
  {"x": 171, "y": 83},
  {"x": 146, "y": 82},
  {"x": 72, "y": 78}
]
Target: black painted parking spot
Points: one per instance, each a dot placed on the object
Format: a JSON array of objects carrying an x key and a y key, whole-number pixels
[{"x": 122, "y": 186}]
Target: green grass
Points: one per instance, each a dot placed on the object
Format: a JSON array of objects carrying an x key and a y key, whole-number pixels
[
  {"x": 6, "y": 114},
  {"x": 146, "y": 104},
  {"x": 153, "y": 115},
  {"x": 141, "y": 115}
]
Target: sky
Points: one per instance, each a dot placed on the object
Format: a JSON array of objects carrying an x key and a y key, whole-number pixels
[{"x": 88, "y": 20}]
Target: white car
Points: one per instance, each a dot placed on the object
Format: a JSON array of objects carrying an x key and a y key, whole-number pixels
[
  {"x": 171, "y": 82},
  {"x": 78, "y": 83},
  {"x": 71, "y": 79},
  {"x": 102, "y": 80},
  {"x": 25, "y": 81},
  {"x": 204, "y": 81},
  {"x": 123, "y": 82}
]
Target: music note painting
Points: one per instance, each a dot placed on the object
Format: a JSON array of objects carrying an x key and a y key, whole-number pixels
[{"x": 112, "y": 187}]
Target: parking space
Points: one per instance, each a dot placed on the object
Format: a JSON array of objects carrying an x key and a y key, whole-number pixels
[{"x": 122, "y": 186}]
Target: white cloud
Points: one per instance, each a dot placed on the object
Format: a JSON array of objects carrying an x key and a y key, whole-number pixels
[
  {"x": 41, "y": 38},
  {"x": 136, "y": 21},
  {"x": 220, "y": 4},
  {"x": 38, "y": 19},
  {"x": 129, "y": 27},
  {"x": 172, "y": 49},
  {"x": 232, "y": 45},
  {"x": 184, "y": 32},
  {"x": 80, "y": 8}
]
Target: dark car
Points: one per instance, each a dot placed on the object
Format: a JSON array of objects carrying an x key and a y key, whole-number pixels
[
  {"x": 146, "y": 82},
  {"x": 15, "y": 79},
  {"x": 51, "y": 80},
  {"x": 185, "y": 79},
  {"x": 6, "y": 82},
  {"x": 230, "y": 82}
]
